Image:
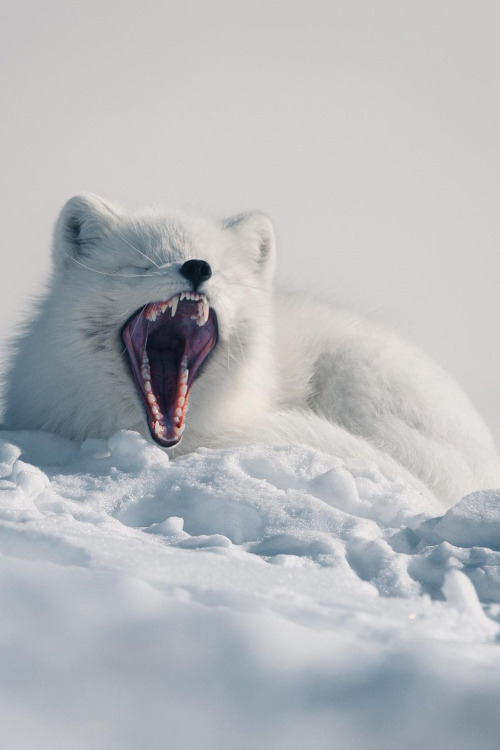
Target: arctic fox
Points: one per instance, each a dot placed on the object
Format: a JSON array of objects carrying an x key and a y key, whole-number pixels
[{"x": 147, "y": 312}]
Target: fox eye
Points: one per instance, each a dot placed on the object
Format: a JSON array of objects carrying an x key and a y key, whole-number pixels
[{"x": 138, "y": 269}]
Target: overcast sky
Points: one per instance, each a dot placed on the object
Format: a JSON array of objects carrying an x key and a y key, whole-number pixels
[{"x": 368, "y": 130}]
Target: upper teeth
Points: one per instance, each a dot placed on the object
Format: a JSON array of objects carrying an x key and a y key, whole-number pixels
[{"x": 155, "y": 309}]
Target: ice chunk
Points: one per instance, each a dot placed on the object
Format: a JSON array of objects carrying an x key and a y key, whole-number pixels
[{"x": 473, "y": 522}]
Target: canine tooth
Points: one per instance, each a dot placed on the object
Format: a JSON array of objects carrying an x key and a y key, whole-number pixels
[
  {"x": 175, "y": 302},
  {"x": 206, "y": 310}
]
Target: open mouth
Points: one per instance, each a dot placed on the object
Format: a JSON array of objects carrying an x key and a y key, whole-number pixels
[{"x": 167, "y": 343}]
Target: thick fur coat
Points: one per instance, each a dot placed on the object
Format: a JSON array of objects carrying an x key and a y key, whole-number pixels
[{"x": 285, "y": 369}]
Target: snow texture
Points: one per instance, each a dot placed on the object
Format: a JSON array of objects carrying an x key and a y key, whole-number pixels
[{"x": 251, "y": 598}]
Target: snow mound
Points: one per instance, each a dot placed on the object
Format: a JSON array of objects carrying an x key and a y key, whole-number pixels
[{"x": 265, "y": 597}]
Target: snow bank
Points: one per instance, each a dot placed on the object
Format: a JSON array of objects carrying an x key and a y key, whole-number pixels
[{"x": 264, "y": 598}]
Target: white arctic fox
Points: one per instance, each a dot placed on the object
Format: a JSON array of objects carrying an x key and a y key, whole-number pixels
[{"x": 148, "y": 311}]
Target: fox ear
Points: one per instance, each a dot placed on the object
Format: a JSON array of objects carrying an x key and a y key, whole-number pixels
[
  {"x": 256, "y": 237},
  {"x": 83, "y": 222}
]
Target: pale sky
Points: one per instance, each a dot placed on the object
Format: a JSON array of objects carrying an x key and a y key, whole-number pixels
[{"x": 369, "y": 131}]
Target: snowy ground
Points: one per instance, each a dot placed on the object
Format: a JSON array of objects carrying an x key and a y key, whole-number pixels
[{"x": 254, "y": 598}]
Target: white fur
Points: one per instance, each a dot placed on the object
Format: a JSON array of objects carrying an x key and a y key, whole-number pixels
[{"x": 286, "y": 369}]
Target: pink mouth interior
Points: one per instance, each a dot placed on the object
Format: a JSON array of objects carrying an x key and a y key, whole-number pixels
[{"x": 166, "y": 353}]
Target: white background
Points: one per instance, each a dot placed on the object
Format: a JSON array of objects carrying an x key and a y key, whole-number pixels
[{"x": 369, "y": 131}]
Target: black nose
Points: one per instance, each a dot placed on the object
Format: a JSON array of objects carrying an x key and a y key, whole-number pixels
[{"x": 196, "y": 271}]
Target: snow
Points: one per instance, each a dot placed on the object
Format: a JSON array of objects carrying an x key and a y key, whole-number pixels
[{"x": 253, "y": 597}]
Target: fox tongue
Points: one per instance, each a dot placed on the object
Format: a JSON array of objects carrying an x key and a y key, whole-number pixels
[
  {"x": 169, "y": 392},
  {"x": 164, "y": 379}
]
